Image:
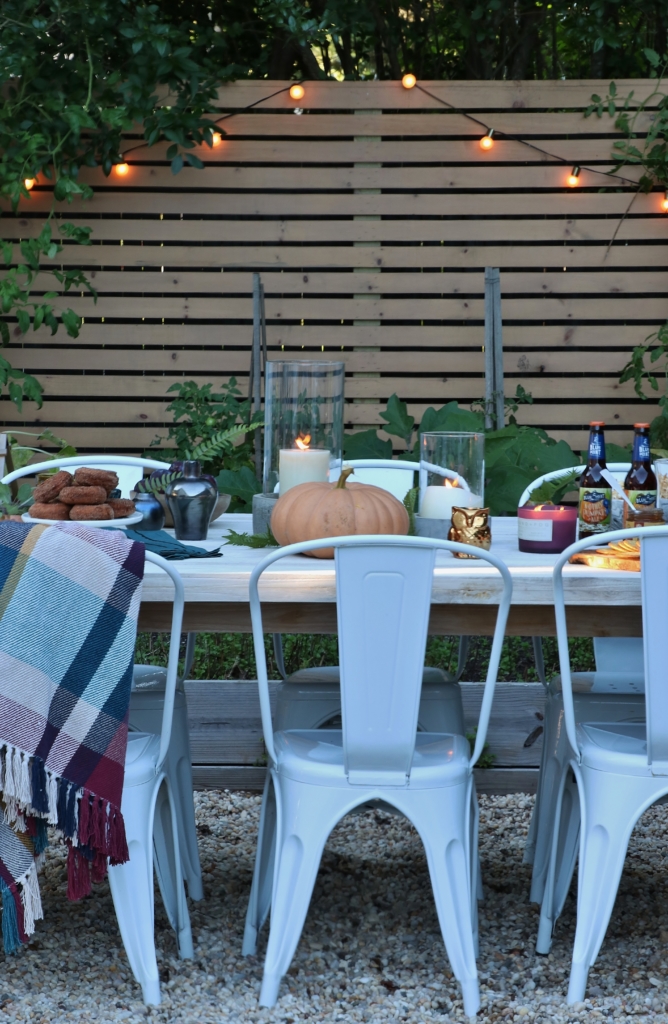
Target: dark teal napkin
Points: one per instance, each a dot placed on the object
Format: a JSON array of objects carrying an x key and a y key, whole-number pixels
[{"x": 160, "y": 543}]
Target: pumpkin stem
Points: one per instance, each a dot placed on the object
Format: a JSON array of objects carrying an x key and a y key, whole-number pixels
[{"x": 345, "y": 473}]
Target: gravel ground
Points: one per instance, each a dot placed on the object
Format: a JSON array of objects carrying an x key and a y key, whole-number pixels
[{"x": 371, "y": 949}]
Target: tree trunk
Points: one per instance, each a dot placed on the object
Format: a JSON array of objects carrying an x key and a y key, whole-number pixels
[{"x": 529, "y": 40}]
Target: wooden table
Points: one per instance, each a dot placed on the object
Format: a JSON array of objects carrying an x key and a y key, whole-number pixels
[{"x": 299, "y": 593}]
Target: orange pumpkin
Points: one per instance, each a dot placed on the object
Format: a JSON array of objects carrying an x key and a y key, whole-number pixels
[{"x": 313, "y": 510}]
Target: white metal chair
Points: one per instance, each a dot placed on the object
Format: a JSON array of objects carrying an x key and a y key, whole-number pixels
[
  {"x": 621, "y": 768},
  {"x": 311, "y": 698},
  {"x": 316, "y": 777},
  {"x": 148, "y": 687},
  {"x": 614, "y": 693},
  {"x": 151, "y": 827}
]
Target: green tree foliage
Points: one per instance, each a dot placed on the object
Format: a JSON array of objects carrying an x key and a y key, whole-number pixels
[
  {"x": 75, "y": 76},
  {"x": 453, "y": 39}
]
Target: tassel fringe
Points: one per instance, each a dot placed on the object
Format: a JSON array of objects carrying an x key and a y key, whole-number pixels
[
  {"x": 94, "y": 830},
  {"x": 31, "y": 899},
  {"x": 11, "y": 906}
]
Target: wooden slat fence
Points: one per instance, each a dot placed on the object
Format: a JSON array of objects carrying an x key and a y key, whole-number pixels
[
  {"x": 228, "y": 751},
  {"x": 371, "y": 217}
]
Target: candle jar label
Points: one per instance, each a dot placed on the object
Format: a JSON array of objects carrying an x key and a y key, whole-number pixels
[{"x": 534, "y": 529}]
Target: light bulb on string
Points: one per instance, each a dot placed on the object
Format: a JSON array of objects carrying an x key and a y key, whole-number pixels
[
  {"x": 664, "y": 201},
  {"x": 487, "y": 141},
  {"x": 216, "y": 139},
  {"x": 573, "y": 177},
  {"x": 29, "y": 183},
  {"x": 408, "y": 81},
  {"x": 296, "y": 91},
  {"x": 122, "y": 168}
]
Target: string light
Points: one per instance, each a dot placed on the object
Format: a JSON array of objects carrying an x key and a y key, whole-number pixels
[
  {"x": 296, "y": 91},
  {"x": 29, "y": 183},
  {"x": 664, "y": 201},
  {"x": 573, "y": 177},
  {"x": 487, "y": 141},
  {"x": 408, "y": 81},
  {"x": 216, "y": 139},
  {"x": 121, "y": 169}
]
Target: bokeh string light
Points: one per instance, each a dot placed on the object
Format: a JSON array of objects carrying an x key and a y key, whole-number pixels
[
  {"x": 409, "y": 81},
  {"x": 494, "y": 133},
  {"x": 29, "y": 183}
]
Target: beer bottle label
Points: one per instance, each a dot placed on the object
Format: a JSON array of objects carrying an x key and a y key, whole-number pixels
[
  {"x": 642, "y": 500},
  {"x": 596, "y": 446},
  {"x": 641, "y": 452},
  {"x": 595, "y": 508}
]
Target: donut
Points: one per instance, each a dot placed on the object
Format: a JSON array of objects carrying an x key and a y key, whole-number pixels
[
  {"x": 55, "y": 510},
  {"x": 121, "y": 507},
  {"x": 85, "y": 477},
  {"x": 50, "y": 488},
  {"x": 81, "y": 513},
  {"x": 83, "y": 495}
]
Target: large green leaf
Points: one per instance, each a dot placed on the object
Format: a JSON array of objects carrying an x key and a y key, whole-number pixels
[
  {"x": 504, "y": 486},
  {"x": 451, "y": 417},
  {"x": 366, "y": 445},
  {"x": 242, "y": 484},
  {"x": 398, "y": 420},
  {"x": 514, "y": 458}
]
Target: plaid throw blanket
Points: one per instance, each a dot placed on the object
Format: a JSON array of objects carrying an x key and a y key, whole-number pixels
[{"x": 69, "y": 600}]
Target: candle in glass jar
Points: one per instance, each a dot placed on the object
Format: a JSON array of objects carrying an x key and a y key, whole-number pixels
[
  {"x": 438, "y": 500},
  {"x": 546, "y": 528},
  {"x": 302, "y": 466}
]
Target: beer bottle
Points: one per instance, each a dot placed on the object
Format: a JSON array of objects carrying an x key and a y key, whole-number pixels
[
  {"x": 640, "y": 483},
  {"x": 595, "y": 508}
]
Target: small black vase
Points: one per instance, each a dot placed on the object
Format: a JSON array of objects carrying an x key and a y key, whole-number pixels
[
  {"x": 191, "y": 499},
  {"x": 152, "y": 511}
]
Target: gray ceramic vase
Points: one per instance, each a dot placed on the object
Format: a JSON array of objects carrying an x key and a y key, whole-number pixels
[{"x": 191, "y": 499}]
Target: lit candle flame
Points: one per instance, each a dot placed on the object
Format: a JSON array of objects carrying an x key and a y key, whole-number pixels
[
  {"x": 450, "y": 483},
  {"x": 303, "y": 442}
]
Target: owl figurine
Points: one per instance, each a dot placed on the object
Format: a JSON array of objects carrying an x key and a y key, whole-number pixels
[{"x": 470, "y": 526}]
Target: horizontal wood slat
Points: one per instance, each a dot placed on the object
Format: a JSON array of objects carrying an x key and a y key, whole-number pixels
[
  {"x": 215, "y": 364},
  {"x": 148, "y": 411},
  {"x": 436, "y": 122},
  {"x": 371, "y": 218},
  {"x": 317, "y": 283},
  {"x": 385, "y": 232},
  {"x": 181, "y": 339},
  {"x": 99, "y": 386},
  {"x": 364, "y": 148},
  {"x": 276, "y": 257},
  {"x": 372, "y": 308},
  {"x": 469, "y": 95},
  {"x": 212, "y": 204}
]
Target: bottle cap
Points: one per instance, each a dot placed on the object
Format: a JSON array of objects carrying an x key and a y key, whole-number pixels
[
  {"x": 597, "y": 423},
  {"x": 636, "y": 426}
]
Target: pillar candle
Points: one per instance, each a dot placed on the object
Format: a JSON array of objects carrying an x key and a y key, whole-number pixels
[
  {"x": 437, "y": 501},
  {"x": 301, "y": 466}
]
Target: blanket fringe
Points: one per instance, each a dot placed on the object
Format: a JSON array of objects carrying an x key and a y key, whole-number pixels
[
  {"x": 94, "y": 828},
  {"x": 78, "y": 873},
  {"x": 13, "y": 935},
  {"x": 31, "y": 899}
]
